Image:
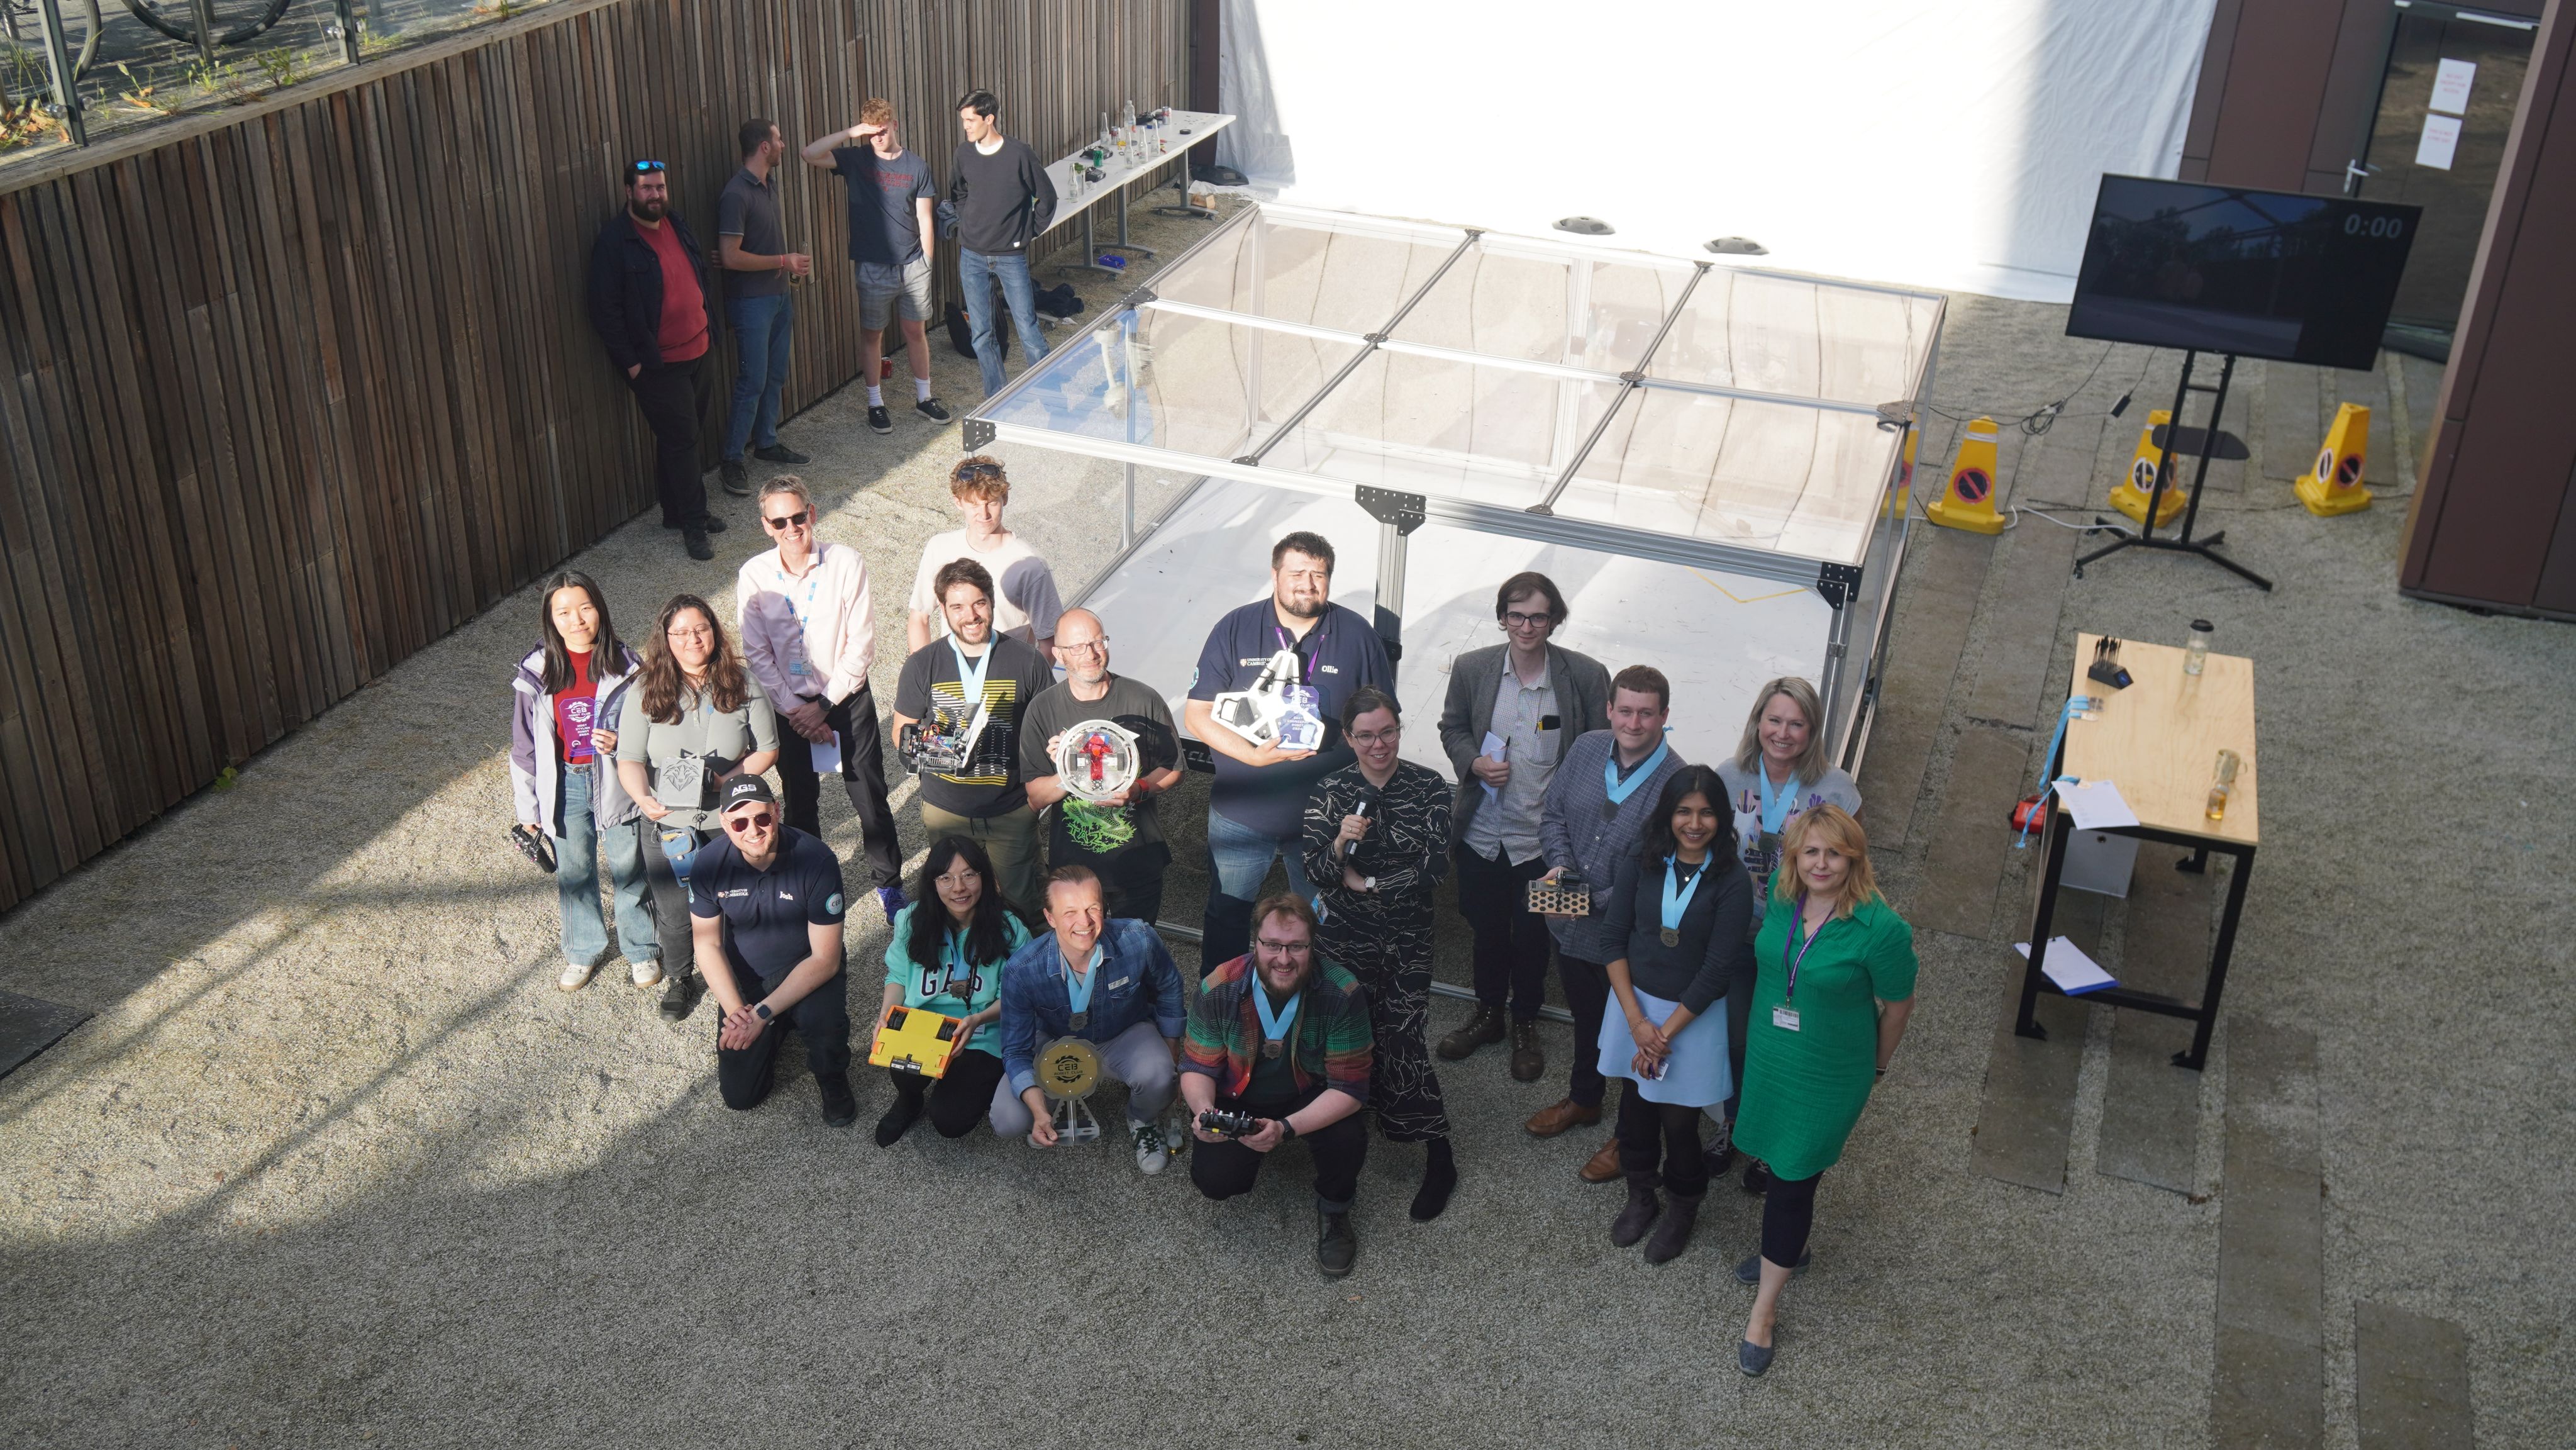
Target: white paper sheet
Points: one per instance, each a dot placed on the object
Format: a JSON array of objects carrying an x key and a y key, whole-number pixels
[
  {"x": 827, "y": 755},
  {"x": 1493, "y": 749},
  {"x": 2074, "y": 973},
  {"x": 2451, "y": 86},
  {"x": 2096, "y": 805},
  {"x": 2441, "y": 139}
]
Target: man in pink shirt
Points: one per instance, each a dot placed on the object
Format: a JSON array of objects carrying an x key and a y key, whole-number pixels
[{"x": 809, "y": 636}]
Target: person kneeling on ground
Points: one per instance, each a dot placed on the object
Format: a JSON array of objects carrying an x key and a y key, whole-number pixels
[
  {"x": 946, "y": 957},
  {"x": 767, "y": 906},
  {"x": 1111, "y": 983},
  {"x": 1282, "y": 1036}
]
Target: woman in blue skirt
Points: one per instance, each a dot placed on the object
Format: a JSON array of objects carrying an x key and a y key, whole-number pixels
[{"x": 1682, "y": 905}]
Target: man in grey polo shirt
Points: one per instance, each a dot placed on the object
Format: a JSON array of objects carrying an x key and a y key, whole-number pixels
[
  {"x": 1594, "y": 815},
  {"x": 753, "y": 248},
  {"x": 1512, "y": 711}
]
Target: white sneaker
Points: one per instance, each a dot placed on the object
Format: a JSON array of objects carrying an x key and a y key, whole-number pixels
[
  {"x": 645, "y": 975},
  {"x": 575, "y": 977},
  {"x": 1151, "y": 1155}
]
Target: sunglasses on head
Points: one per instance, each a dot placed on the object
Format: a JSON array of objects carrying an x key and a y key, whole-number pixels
[
  {"x": 784, "y": 522},
  {"x": 639, "y": 168},
  {"x": 980, "y": 470},
  {"x": 759, "y": 821}
]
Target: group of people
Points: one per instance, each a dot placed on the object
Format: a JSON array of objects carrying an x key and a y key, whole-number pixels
[
  {"x": 1716, "y": 930},
  {"x": 653, "y": 304}
]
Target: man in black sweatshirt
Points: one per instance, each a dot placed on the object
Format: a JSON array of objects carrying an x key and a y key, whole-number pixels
[{"x": 1003, "y": 201}]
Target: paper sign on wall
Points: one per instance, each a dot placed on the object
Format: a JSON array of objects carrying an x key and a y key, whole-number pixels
[
  {"x": 2441, "y": 138},
  {"x": 2451, "y": 86}
]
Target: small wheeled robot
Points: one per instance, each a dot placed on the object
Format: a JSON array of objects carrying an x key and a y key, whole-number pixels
[
  {"x": 915, "y": 1041},
  {"x": 944, "y": 743}
]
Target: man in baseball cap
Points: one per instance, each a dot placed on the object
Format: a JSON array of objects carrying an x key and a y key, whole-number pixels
[{"x": 767, "y": 902}]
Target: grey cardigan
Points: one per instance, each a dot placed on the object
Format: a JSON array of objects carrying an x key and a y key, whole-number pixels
[{"x": 1582, "y": 688}]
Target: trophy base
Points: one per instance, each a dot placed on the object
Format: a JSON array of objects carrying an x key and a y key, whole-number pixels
[{"x": 1074, "y": 1122}]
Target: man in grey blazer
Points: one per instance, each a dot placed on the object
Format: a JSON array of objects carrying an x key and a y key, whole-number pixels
[{"x": 1531, "y": 699}]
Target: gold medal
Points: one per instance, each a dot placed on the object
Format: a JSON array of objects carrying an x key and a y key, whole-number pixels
[
  {"x": 1272, "y": 1049},
  {"x": 1672, "y": 937}
]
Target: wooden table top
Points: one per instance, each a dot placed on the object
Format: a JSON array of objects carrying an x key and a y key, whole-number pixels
[{"x": 2158, "y": 740}]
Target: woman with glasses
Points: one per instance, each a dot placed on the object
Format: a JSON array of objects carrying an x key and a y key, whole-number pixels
[
  {"x": 564, "y": 698},
  {"x": 1376, "y": 841},
  {"x": 694, "y": 718},
  {"x": 946, "y": 957},
  {"x": 809, "y": 637}
]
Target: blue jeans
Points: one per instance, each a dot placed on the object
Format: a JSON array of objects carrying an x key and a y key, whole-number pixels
[
  {"x": 579, "y": 843},
  {"x": 762, "y": 329},
  {"x": 976, "y": 273}
]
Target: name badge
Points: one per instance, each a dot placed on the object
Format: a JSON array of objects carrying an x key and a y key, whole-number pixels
[
  {"x": 796, "y": 667},
  {"x": 1114, "y": 986},
  {"x": 1785, "y": 1018}
]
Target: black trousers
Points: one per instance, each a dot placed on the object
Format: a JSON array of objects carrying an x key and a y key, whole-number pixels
[
  {"x": 1138, "y": 903},
  {"x": 854, "y": 720},
  {"x": 822, "y": 1017},
  {"x": 1662, "y": 1135},
  {"x": 959, "y": 1100},
  {"x": 1788, "y": 1213},
  {"x": 1511, "y": 940},
  {"x": 674, "y": 399},
  {"x": 1222, "y": 1170},
  {"x": 1587, "y": 994}
]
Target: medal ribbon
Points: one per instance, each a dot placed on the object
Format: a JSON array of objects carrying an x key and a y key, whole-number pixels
[
  {"x": 1775, "y": 810},
  {"x": 1077, "y": 987},
  {"x": 804, "y": 612},
  {"x": 970, "y": 678},
  {"x": 1796, "y": 922},
  {"x": 1619, "y": 790},
  {"x": 1274, "y": 1026},
  {"x": 1677, "y": 898}
]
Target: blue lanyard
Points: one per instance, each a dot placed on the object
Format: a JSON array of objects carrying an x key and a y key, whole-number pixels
[
  {"x": 1775, "y": 809},
  {"x": 1796, "y": 922},
  {"x": 1274, "y": 1026},
  {"x": 970, "y": 679},
  {"x": 1677, "y": 898},
  {"x": 1077, "y": 986},
  {"x": 1619, "y": 790}
]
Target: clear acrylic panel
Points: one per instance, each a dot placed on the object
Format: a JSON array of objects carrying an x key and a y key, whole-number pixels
[
  {"x": 1799, "y": 338},
  {"x": 1197, "y": 385},
  {"x": 1347, "y": 279},
  {"x": 1448, "y": 428},
  {"x": 1506, "y": 300},
  {"x": 1802, "y": 481}
]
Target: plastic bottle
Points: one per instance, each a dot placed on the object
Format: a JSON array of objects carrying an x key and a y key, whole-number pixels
[
  {"x": 2195, "y": 651},
  {"x": 2224, "y": 785}
]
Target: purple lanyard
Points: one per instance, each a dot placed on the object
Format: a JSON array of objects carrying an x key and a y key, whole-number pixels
[
  {"x": 1321, "y": 633},
  {"x": 1792, "y": 961}
]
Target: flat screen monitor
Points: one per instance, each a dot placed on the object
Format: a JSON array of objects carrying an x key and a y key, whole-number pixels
[{"x": 2267, "y": 274}]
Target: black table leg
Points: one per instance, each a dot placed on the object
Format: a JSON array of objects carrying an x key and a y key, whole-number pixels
[
  {"x": 2027, "y": 1022},
  {"x": 2236, "y": 880},
  {"x": 2195, "y": 863}
]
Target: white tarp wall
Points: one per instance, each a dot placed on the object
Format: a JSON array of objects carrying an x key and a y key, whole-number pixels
[{"x": 1953, "y": 145}]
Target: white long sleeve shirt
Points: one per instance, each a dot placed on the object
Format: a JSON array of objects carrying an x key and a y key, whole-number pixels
[{"x": 812, "y": 634}]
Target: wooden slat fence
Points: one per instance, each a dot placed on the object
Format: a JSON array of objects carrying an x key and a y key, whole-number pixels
[{"x": 288, "y": 392}]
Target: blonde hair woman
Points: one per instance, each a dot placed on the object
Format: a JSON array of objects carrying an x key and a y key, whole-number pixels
[{"x": 1830, "y": 1003}]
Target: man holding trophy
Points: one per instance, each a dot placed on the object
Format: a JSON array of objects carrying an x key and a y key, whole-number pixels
[{"x": 1091, "y": 997}]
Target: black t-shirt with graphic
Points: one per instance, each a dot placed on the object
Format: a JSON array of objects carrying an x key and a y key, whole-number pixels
[
  {"x": 1013, "y": 677},
  {"x": 1124, "y": 844}
]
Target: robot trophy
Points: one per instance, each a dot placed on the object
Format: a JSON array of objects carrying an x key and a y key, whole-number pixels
[
  {"x": 1277, "y": 707},
  {"x": 1068, "y": 1069},
  {"x": 944, "y": 743},
  {"x": 1096, "y": 760}
]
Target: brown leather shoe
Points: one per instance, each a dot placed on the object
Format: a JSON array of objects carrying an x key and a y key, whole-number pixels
[
  {"x": 1528, "y": 1063},
  {"x": 1604, "y": 1165},
  {"x": 1487, "y": 1025},
  {"x": 1560, "y": 1115}
]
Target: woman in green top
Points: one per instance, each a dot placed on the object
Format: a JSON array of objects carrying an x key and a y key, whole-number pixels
[
  {"x": 1836, "y": 985},
  {"x": 946, "y": 957}
]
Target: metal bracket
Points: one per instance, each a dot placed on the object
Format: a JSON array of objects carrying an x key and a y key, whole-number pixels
[
  {"x": 1248, "y": 461},
  {"x": 1838, "y": 583},
  {"x": 1137, "y": 298},
  {"x": 1633, "y": 376},
  {"x": 1402, "y": 510},
  {"x": 978, "y": 434}
]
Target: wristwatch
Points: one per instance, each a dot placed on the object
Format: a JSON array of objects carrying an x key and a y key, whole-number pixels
[
  {"x": 1368, "y": 883},
  {"x": 1287, "y": 1130},
  {"x": 760, "y": 1010}
]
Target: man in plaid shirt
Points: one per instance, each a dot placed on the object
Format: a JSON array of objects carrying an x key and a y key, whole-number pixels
[{"x": 1282, "y": 1036}]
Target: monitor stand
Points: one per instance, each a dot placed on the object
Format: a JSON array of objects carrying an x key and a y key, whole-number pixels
[{"x": 2210, "y": 441}]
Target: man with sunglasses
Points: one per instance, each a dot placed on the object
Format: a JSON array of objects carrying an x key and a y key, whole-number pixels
[
  {"x": 1511, "y": 711},
  {"x": 649, "y": 304},
  {"x": 1120, "y": 838},
  {"x": 766, "y": 908},
  {"x": 809, "y": 636}
]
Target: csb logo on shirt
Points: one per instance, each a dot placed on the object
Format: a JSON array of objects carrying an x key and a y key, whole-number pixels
[{"x": 576, "y": 712}]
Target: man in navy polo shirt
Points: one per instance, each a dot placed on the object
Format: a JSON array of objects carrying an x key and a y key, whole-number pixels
[
  {"x": 1256, "y": 810},
  {"x": 766, "y": 902}
]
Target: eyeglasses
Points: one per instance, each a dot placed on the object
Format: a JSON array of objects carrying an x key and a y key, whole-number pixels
[
  {"x": 689, "y": 631},
  {"x": 1088, "y": 647},
  {"x": 1373, "y": 737},
  {"x": 642, "y": 167},
  {"x": 958, "y": 880},
  {"x": 745, "y": 825},
  {"x": 1286, "y": 949},
  {"x": 1517, "y": 620},
  {"x": 781, "y": 523}
]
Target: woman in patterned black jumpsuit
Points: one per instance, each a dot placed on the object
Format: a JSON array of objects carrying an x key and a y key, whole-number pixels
[{"x": 1377, "y": 839}]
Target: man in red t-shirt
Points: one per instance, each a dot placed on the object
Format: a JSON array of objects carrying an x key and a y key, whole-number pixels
[{"x": 648, "y": 302}]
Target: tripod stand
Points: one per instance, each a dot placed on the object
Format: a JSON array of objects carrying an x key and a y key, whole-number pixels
[{"x": 2175, "y": 438}]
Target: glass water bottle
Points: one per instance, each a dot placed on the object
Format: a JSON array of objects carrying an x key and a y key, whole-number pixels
[
  {"x": 2225, "y": 784},
  {"x": 2195, "y": 650}
]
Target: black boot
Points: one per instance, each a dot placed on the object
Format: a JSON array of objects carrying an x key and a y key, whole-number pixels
[
  {"x": 1336, "y": 1247},
  {"x": 900, "y": 1115},
  {"x": 1439, "y": 1180},
  {"x": 1642, "y": 1208},
  {"x": 1673, "y": 1234}
]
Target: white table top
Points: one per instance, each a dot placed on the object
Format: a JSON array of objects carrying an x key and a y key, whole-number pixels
[{"x": 1200, "y": 125}]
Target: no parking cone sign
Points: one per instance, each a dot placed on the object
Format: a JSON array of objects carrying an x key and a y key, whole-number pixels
[
  {"x": 1968, "y": 502},
  {"x": 2332, "y": 485}
]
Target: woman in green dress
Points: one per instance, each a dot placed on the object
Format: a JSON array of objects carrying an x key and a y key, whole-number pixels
[{"x": 1836, "y": 985}]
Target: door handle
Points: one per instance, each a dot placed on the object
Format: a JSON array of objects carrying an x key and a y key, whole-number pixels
[{"x": 2353, "y": 172}]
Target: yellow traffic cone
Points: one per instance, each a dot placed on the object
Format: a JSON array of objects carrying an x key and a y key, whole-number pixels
[
  {"x": 2332, "y": 485},
  {"x": 1901, "y": 497},
  {"x": 2130, "y": 494},
  {"x": 1968, "y": 502}
]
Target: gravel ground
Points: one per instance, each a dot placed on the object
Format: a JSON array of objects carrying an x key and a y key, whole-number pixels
[{"x": 334, "y": 1162}]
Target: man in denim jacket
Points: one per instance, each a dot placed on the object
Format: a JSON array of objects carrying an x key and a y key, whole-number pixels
[{"x": 1111, "y": 983}]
